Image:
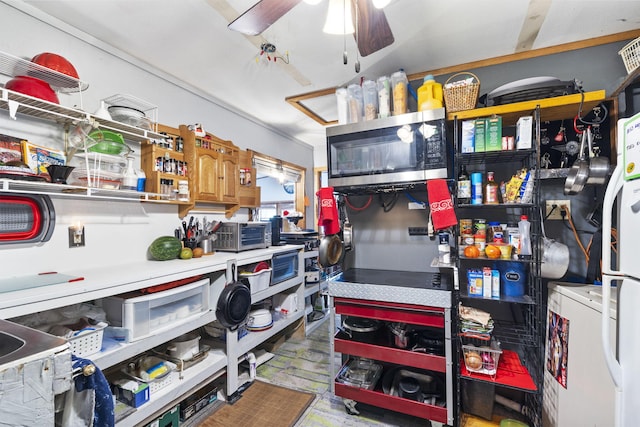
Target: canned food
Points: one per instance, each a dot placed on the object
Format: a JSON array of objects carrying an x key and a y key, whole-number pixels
[
  {"x": 480, "y": 228},
  {"x": 466, "y": 227}
]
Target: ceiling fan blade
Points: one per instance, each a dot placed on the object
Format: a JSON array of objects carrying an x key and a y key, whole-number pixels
[
  {"x": 261, "y": 16},
  {"x": 373, "y": 32}
]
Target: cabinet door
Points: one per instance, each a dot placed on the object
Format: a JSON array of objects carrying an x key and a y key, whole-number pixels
[
  {"x": 229, "y": 178},
  {"x": 208, "y": 177}
]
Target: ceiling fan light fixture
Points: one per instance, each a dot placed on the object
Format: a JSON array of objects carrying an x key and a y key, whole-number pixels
[
  {"x": 380, "y": 4},
  {"x": 339, "y": 20}
]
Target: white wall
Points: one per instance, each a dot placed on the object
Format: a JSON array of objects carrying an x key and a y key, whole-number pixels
[{"x": 117, "y": 232}]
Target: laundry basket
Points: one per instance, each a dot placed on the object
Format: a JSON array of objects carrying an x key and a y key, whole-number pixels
[
  {"x": 631, "y": 55},
  {"x": 461, "y": 94}
]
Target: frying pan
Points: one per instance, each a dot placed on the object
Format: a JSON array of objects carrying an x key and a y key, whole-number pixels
[
  {"x": 331, "y": 250},
  {"x": 347, "y": 228},
  {"x": 579, "y": 171}
]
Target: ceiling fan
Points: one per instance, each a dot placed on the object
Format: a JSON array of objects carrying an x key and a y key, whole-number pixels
[{"x": 372, "y": 34}]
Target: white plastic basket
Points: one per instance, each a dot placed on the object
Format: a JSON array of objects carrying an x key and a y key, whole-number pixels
[
  {"x": 87, "y": 341},
  {"x": 631, "y": 55},
  {"x": 257, "y": 281}
]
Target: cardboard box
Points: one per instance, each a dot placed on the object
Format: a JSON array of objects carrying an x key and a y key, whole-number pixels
[
  {"x": 10, "y": 148},
  {"x": 524, "y": 133},
  {"x": 38, "y": 157},
  {"x": 468, "y": 137},
  {"x": 480, "y": 132},
  {"x": 133, "y": 398},
  {"x": 493, "y": 135}
]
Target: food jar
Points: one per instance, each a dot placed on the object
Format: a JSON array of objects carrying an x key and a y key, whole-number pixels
[
  {"x": 399, "y": 88},
  {"x": 384, "y": 96},
  {"x": 355, "y": 103},
  {"x": 370, "y": 97}
]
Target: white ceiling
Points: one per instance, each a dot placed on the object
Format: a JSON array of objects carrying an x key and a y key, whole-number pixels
[{"x": 189, "y": 40}]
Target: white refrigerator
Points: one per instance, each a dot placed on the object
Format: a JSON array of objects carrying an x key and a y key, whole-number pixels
[
  {"x": 622, "y": 202},
  {"x": 578, "y": 390}
]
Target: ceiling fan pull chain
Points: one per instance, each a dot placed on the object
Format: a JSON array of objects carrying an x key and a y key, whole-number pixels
[
  {"x": 357, "y": 66},
  {"x": 344, "y": 31}
]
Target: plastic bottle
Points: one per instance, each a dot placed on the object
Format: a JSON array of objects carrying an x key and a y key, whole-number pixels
[
  {"x": 430, "y": 94},
  {"x": 399, "y": 89},
  {"x": 384, "y": 97},
  {"x": 524, "y": 227},
  {"x": 491, "y": 190},
  {"x": 141, "y": 180},
  {"x": 476, "y": 188},
  {"x": 464, "y": 186},
  {"x": 130, "y": 178}
]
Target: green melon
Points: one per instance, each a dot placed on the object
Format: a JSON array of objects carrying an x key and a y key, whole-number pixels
[{"x": 165, "y": 248}]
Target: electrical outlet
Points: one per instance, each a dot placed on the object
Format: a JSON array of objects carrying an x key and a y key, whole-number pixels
[{"x": 551, "y": 213}]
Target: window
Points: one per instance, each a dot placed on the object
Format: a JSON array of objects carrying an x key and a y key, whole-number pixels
[{"x": 281, "y": 187}]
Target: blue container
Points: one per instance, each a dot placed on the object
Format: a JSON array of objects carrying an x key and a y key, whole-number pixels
[
  {"x": 513, "y": 278},
  {"x": 476, "y": 188}
]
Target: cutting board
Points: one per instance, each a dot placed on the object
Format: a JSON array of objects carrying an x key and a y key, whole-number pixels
[{"x": 35, "y": 280}]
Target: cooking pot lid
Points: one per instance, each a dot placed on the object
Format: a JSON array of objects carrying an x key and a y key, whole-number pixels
[{"x": 359, "y": 324}]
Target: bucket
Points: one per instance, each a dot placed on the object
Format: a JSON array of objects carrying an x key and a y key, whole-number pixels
[
  {"x": 430, "y": 94},
  {"x": 513, "y": 277}
]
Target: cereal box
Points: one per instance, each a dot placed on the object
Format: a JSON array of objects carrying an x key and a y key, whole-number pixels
[
  {"x": 10, "y": 149},
  {"x": 38, "y": 157}
]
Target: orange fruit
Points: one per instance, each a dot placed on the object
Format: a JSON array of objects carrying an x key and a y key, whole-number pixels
[
  {"x": 472, "y": 251},
  {"x": 492, "y": 251}
]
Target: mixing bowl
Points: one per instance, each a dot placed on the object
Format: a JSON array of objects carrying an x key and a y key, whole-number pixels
[{"x": 33, "y": 87}]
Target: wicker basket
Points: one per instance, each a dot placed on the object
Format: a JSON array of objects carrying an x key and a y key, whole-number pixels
[
  {"x": 631, "y": 55},
  {"x": 460, "y": 97}
]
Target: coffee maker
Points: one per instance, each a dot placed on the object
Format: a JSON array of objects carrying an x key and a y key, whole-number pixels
[{"x": 276, "y": 229}]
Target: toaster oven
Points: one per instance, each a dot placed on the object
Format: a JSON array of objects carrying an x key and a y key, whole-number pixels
[{"x": 242, "y": 236}]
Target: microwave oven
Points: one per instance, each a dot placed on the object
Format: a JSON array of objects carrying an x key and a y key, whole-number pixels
[
  {"x": 242, "y": 236},
  {"x": 388, "y": 152}
]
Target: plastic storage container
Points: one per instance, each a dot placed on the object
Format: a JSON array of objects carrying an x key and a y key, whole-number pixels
[
  {"x": 143, "y": 315},
  {"x": 384, "y": 96},
  {"x": 343, "y": 111},
  {"x": 370, "y": 97},
  {"x": 257, "y": 281},
  {"x": 430, "y": 94},
  {"x": 355, "y": 103},
  {"x": 399, "y": 89}
]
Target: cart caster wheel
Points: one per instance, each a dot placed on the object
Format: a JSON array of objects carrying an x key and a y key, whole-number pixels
[{"x": 350, "y": 407}]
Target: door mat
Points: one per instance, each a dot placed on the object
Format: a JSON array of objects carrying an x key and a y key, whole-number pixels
[{"x": 261, "y": 405}]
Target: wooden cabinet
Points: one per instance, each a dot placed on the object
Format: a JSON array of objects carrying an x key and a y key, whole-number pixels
[
  {"x": 164, "y": 165},
  {"x": 248, "y": 191},
  {"x": 214, "y": 176}
]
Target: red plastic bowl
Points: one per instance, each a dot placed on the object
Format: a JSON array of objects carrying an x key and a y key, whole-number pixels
[
  {"x": 55, "y": 62},
  {"x": 33, "y": 87}
]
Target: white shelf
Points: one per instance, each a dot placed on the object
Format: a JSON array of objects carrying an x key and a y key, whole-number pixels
[
  {"x": 254, "y": 339},
  {"x": 275, "y": 289},
  {"x": 11, "y": 65},
  {"x": 311, "y": 289},
  {"x": 310, "y": 254},
  {"x": 199, "y": 374},
  {"x": 312, "y": 326},
  {"x": 16, "y": 102},
  {"x": 128, "y": 350},
  {"x": 75, "y": 191}
]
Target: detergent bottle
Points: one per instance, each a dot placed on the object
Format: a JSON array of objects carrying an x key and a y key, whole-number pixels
[{"x": 429, "y": 94}]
